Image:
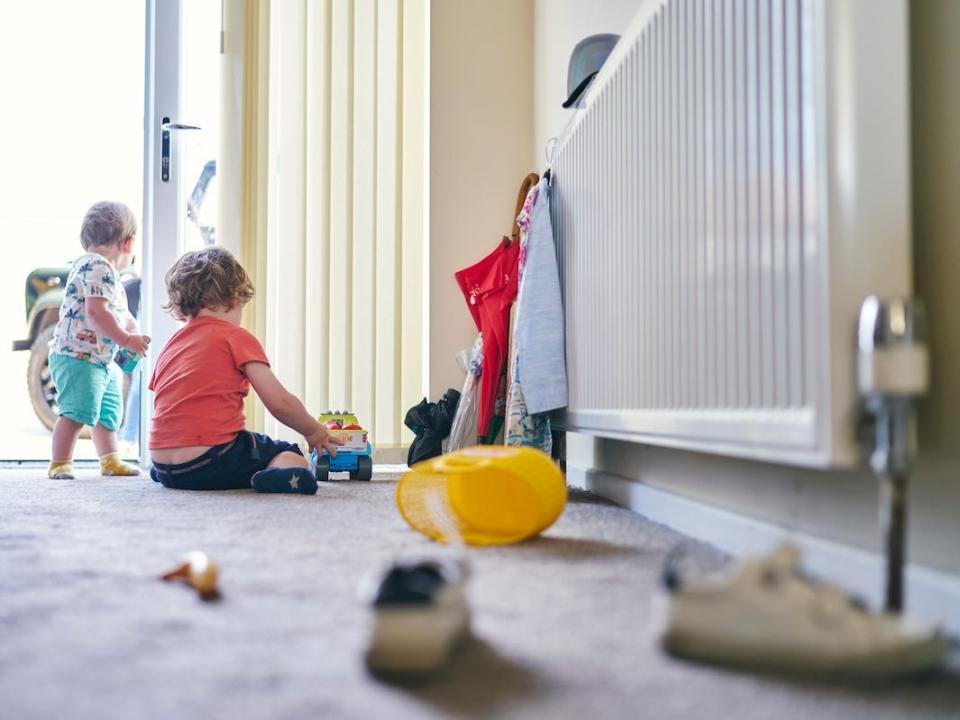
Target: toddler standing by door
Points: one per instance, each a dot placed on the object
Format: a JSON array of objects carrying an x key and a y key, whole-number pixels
[{"x": 94, "y": 322}]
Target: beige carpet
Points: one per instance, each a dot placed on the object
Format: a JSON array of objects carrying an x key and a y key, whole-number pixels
[{"x": 563, "y": 623}]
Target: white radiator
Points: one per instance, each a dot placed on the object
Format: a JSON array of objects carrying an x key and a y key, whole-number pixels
[{"x": 735, "y": 185}]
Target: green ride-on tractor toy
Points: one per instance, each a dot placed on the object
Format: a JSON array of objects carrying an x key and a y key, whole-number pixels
[
  {"x": 355, "y": 456},
  {"x": 43, "y": 294}
]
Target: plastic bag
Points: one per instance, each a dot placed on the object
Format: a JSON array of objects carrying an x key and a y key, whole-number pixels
[{"x": 463, "y": 432}]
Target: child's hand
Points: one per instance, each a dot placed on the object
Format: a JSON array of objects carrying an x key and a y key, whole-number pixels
[
  {"x": 137, "y": 343},
  {"x": 320, "y": 440}
]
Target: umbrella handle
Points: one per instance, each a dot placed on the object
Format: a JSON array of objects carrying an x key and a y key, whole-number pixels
[{"x": 528, "y": 182}]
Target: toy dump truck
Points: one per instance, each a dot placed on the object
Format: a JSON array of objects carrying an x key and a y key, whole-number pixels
[{"x": 355, "y": 456}]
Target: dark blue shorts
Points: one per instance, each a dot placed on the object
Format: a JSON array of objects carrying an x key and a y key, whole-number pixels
[{"x": 224, "y": 467}]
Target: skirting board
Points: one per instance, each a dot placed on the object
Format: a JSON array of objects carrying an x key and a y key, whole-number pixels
[
  {"x": 390, "y": 454},
  {"x": 932, "y": 595}
]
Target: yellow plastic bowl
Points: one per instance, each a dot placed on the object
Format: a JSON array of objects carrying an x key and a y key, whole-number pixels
[{"x": 488, "y": 495}]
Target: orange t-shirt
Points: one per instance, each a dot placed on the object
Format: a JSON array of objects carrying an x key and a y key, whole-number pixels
[{"x": 199, "y": 384}]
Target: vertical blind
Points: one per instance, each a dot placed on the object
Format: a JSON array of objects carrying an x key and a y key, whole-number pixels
[{"x": 333, "y": 145}]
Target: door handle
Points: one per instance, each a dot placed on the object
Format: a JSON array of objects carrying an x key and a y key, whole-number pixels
[{"x": 165, "y": 127}]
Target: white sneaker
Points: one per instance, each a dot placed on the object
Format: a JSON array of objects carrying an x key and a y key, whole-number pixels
[
  {"x": 419, "y": 613},
  {"x": 767, "y": 615}
]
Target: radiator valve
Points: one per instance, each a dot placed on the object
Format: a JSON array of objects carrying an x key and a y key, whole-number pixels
[{"x": 893, "y": 372}]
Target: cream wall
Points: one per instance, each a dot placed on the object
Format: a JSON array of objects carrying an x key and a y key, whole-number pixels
[
  {"x": 558, "y": 26},
  {"x": 838, "y": 506},
  {"x": 481, "y": 120},
  {"x": 935, "y": 27}
]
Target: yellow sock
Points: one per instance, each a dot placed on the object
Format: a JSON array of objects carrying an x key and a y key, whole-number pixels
[
  {"x": 112, "y": 465},
  {"x": 60, "y": 470}
]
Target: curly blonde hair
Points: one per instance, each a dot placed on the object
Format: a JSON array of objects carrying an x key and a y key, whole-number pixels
[{"x": 211, "y": 278}]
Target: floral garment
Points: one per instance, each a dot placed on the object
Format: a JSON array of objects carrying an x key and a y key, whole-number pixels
[{"x": 92, "y": 276}]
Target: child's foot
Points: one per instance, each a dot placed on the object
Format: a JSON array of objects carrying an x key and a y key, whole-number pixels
[
  {"x": 60, "y": 470},
  {"x": 285, "y": 480},
  {"x": 112, "y": 465}
]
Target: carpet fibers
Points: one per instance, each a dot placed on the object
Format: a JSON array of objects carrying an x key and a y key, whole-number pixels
[{"x": 562, "y": 624}]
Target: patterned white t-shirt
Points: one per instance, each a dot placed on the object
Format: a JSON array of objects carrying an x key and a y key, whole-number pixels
[{"x": 92, "y": 276}]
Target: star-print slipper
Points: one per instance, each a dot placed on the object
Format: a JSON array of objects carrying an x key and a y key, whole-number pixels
[{"x": 285, "y": 480}]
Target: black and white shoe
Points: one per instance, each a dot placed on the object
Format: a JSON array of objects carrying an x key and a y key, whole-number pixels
[{"x": 419, "y": 613}]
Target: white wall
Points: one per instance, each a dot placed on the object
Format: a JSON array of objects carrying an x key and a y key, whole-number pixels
[
  {"x": 836, "y": 506},
  {"x": 558, "y": 26}
]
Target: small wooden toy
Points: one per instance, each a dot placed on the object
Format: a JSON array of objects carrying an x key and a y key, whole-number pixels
[{"x": 197, "y": 571}]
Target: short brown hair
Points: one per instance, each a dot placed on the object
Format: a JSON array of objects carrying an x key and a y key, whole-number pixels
[
  {"x": 210, "y": 278},
  {"x": 107, "y": 223}
]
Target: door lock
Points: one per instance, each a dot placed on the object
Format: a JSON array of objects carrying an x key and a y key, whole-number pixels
[{"x": 165, "y": 128}]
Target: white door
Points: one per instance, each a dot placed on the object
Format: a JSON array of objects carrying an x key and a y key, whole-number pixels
[
  {"x": 71, "y": 119},
  {"x": 181, "y": 137},
  {"x": 86, "y": 86}
]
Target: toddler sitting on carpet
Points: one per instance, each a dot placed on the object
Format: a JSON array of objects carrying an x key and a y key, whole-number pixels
[{"x": 198, "y": 439}]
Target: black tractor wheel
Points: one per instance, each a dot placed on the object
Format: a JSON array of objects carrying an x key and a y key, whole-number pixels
[
  {"x": 322, "y": 470},
  {"x": 43, "y": 393},
  {"x": 364, "y": 469}
]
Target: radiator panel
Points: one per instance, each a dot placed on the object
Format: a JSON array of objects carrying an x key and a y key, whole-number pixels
[{"x": 692, "y": 210}]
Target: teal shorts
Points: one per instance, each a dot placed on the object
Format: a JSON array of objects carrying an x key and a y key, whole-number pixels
[{"x": 87, "y": 393}]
